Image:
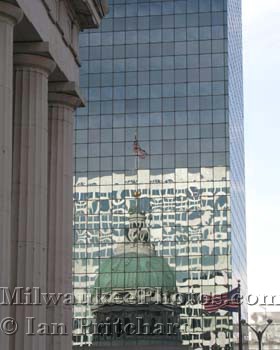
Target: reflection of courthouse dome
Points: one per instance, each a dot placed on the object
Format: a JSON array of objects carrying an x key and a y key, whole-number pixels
[
  {"x": 134, "y": 263},
  {"x": 133, "y": 268},
  {"x": 137, "y": 231},
  {"x": 132, "y": 272}
]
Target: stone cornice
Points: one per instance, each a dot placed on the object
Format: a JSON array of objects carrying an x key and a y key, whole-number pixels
[
  {"x": 71, "y": 16},
  {"x": 86, "y": 13},
  {"x": 89, "y": 12}
]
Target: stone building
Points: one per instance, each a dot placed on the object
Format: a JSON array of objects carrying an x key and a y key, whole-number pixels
[{"x": 39, "y": 92}]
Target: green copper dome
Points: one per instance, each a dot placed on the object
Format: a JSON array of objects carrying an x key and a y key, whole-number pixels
[
  {"x": 135, "y": 265},
  {"x": 132, "y": 272}
]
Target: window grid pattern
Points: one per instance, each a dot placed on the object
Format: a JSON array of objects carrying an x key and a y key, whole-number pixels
[{"x": 157, "y": 69}]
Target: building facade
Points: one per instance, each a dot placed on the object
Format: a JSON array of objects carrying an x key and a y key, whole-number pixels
[{"x": 162, "y": 137}]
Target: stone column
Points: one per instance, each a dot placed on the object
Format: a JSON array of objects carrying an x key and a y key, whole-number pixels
[
  {"x": 29, "y": 194},
  {"x": 9, "y": 16},
  {"x": 60, "y": 210}
]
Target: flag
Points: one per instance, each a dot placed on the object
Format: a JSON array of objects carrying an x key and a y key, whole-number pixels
[
  {"x": 229, "y": 301},
  {"x": 141, "y": 153}
]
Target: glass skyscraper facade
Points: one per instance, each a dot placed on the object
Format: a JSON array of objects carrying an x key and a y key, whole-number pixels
[{"x": 159, "y": 167}]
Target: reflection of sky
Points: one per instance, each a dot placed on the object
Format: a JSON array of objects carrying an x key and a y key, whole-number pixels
[{"x": 261, "y": 68}]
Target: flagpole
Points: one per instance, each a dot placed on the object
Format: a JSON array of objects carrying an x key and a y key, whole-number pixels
[
  {"x": 239, "y": 318},
  {"x": 136, "y": 156},
  {"x": 136, "y": 193},
  {"x": 139, "y": 153}
]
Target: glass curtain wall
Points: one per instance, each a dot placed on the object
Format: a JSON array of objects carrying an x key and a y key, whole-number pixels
[{"x": 152, "y": 153}]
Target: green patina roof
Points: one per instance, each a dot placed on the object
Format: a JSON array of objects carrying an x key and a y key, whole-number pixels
[{"x": 132, "y": 272}]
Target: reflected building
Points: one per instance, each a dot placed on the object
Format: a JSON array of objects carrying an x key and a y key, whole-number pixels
[{"x": 169, "y": 72}]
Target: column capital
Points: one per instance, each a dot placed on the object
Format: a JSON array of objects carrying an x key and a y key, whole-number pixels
[
  {"x": 65, "y": 93},
  {"x": 64, "y": 99},
  {"x": 11, "y": 12},
  {"x": 45, "y": 64}
]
